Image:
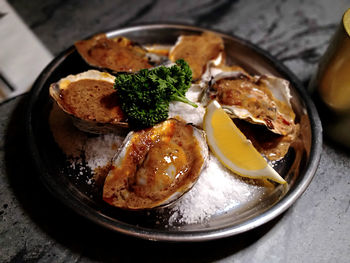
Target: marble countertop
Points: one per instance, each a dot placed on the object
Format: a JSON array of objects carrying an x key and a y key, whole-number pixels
[{"x": 35, "y": 227}]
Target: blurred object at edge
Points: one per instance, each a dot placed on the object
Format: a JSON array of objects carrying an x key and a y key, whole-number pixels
[
  {"x": 330, "y": 86},
  {"x": 22, "y": 55}
]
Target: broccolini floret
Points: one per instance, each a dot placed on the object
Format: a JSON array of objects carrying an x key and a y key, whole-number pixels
[{"x": 145, "y": 96}]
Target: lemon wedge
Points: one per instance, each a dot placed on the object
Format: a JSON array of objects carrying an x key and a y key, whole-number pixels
[{"x": 232, "y": 148}]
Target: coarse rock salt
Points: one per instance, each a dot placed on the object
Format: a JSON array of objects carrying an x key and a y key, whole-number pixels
[
  {"x": 100, "y": 150},
  {"x": 187, "y": 112},
  {"x": 216, "y": 191}
]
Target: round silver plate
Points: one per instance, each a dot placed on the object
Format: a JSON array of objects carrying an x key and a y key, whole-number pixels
[{"x": 298, "y": 167}]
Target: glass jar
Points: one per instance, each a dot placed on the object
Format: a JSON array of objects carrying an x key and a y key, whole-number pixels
[{"x": 330, "y": 85}]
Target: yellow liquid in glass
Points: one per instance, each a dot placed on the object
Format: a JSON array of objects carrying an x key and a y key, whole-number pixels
[{"x": 335, "y": 81}]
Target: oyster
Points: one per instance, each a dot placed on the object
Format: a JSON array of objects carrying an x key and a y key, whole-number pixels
[
  {"x": 197, "y": 50},
  {"x": 262, "y": 100},
  {"x": 117, "y": 54},
  {"x": 258, "y": 99},
  {"x": 91, "y": 101},
  {"x": 155, "y": 166}
]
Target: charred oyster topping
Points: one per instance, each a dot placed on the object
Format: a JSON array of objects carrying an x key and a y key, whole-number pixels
[
  {"x": 91, "y": 100},
  {"x": 156, "y": 166},
  {"x": 117, "y": 54},
  {"x": 197, "y": 51},
  {"x": 255, "y": 99}
]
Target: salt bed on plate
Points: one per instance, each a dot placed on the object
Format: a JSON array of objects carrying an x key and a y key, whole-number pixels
[{"x": 216, "y": 191}]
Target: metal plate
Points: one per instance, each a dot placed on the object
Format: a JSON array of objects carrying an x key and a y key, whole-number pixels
[{"x": 298, "y": 167}]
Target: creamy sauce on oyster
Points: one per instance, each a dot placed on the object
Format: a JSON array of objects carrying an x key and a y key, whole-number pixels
[{"x": 157, "y": 163}]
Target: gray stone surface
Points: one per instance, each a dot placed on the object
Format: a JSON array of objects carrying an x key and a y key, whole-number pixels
[
  {"x": 295, "y": 31},
  {"x": 34, "y": 227}
]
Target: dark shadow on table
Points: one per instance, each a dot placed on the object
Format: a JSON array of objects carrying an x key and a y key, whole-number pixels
[{"x": 87, "y": 240}]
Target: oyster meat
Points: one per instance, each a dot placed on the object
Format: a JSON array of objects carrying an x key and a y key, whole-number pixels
[
  {"x": 117, "y": 54},
  {"x": 197, "y": 50},
  {"x": 155, "y": 166},
  {"x": 91, "y": 101}
]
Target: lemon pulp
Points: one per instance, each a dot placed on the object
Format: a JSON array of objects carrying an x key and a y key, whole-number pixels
[
  {"x": 233, "y": 143},
  {"x": 232, "y": 148}
]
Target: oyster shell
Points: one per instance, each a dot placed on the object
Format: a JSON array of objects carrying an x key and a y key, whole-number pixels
[
  {"x": 155, "y": 166},
  {"x": 261, "y": 100},
  {"x": 197, "y": 50},
  {"x": 158, "y": 54},
  {"x": 117, "y": 54},
  {"x": 90, "y": 100}
]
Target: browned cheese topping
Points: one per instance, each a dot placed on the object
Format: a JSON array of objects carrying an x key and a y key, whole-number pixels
[
  {"x": 94, "y": 100},
  {"x": 118, "y": 54},
  {"x": 158, "y": 162},
  {"x": 197, "y": 50},
  {"x": 258, "y": 100}
]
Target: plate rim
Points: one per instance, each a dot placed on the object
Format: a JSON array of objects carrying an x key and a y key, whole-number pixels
[{"x": 187, "y": 236}]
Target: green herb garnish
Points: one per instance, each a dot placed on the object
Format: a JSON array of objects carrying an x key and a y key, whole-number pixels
[{"x": 145, "y": 96}]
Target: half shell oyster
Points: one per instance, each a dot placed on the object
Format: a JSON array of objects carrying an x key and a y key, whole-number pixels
[
  {"x": 197, "y": 51},
  {"x": 261, "y": 100},
  {"x": 156, "y": 166},
  {"x": 90, "y": 100},
  {"x": 117, "y": 54}
]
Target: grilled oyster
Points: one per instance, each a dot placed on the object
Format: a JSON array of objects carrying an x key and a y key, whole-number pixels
[
  {"x": 156, "y": 166},
  {"x": 258, "y": 99},
  {"x": 197, "y": 50},
  {"x": 262, "y": 100},
  {"x": 90, "y": 100},
  {"x": 117, "y": 54}
]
